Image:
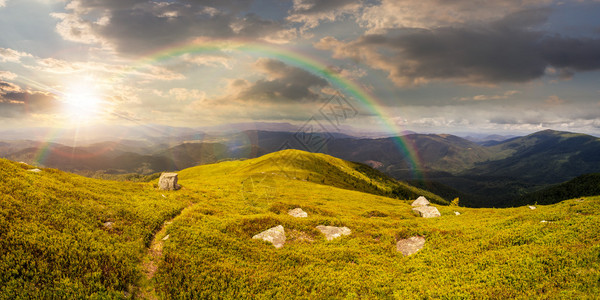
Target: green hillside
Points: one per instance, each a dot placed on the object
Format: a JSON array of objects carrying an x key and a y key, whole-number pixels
[
  {"x": 207, "y": 250},
  {"x": 544, "y": 157},
  {"x": 581, "y": 186},
  {"x": 55, "y": 241}
]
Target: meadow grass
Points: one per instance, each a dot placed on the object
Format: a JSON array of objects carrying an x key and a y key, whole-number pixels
[
  {"x": 482, "y": 253},
  {"x": 54, "y": 245},
  {"x": 53, "y": 238}
]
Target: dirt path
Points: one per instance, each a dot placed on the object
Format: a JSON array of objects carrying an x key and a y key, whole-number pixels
[{"x": 151, "y": 261}]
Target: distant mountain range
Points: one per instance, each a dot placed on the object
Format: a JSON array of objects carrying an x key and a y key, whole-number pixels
[{"x": 482, "y": 173}]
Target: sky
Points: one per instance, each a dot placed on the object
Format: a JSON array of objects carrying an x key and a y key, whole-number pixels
[{"x": 431, "y": 66}]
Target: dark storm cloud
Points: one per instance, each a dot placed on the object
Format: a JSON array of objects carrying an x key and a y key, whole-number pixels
[
  {"x": 134, "y": 26},
  {"x": 571, "y": 54},
  {"x": 128, "y": 4},
  {"x": 508, "y": 50},
  {"x": 283, "y": 83}
]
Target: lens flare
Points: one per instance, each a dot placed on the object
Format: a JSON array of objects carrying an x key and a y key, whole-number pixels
[{"x": 82, "y": 103}]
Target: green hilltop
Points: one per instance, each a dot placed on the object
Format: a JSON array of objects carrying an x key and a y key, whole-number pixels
[{"x": 67, "y": 236}]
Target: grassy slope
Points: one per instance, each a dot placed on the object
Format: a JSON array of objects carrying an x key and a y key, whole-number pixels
[
  {"x": 52, "y": 239},
  {"x": 483, "y": 253},
  {"x": 584, "y": 185}
]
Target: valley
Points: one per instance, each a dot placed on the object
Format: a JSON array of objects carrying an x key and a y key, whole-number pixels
[{"x": 490, "y": 173}]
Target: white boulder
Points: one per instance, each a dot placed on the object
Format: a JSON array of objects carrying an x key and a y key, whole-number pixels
[
  {"x": 332, "y": 232},
  {"x": 275, "y": 236},
  {"x": 426, "y": 211},
  {"x": 297, "y": 213},
  {"x": 168, "y": 182},
  {"x": 421, "y": 201},
  {"x": 410, "y": 245}
]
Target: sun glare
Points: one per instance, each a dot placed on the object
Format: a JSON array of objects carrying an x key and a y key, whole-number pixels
[{"x": 82, "y": 103}]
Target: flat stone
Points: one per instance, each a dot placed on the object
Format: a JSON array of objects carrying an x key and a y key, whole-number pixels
[
  {"x": 166, "y": 237},
  {"x": 332, "y": 232},
  {"x": 532, "y": 207},
  {"x": 108, "y": 225},
  {"x": 36, "y": 170},
  {"x": 168, "y": 182},
  {"x": 410, "y": 245},
  {"x": 421, "y": 201},
  {"x": 297, "y": 213},
  {"x": 275, "y": 236},
  {"x": 427, "y": 211},
  {"x": 457, "y": 213}
]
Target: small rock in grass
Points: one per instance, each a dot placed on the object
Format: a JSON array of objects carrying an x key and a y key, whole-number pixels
[
  {"x": 108, "y": 225},
  {"x": 410, "y": 245},
  {"x": 457, "y": 213},
  {"x": 166, "y": 237},
  {"x": 532, "y": 207},
  {"x": 36, "y": 170},
  {"x": 543, "y": 221},
  {"x": 427, "y": 211},
  {"x": 297, "y": 213},
  {"x": 275, "y": 236},
  {"x": 421, "y": 201},
  {"x": 332, "y": 232}
]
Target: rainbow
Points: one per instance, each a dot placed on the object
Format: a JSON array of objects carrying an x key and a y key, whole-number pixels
[{"x": 298, "y": 59}]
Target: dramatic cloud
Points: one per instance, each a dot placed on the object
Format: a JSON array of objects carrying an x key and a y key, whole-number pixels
[
  {"x": 391, "y": 14},
  {"x": 16, "y": 102},
  {"x": 283, "y": 83},
  {"x": 138, "y": 26},
  {"x": 503, "y": 51}
]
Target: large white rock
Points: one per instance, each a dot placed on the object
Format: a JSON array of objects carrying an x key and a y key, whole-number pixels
[
  {"x": 297, "y": 213},
  {"x": 275, "y": 236},
  {"x": 332, "y": 232},
  {"x": 421, "y": 201},
  {"x": 168, "y": 182},
  {"x": 427, "y": 211},
  {"x": 410, "y": 245}
]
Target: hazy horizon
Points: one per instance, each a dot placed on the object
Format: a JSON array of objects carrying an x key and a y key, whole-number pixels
[{"x": 507, "y": 67}]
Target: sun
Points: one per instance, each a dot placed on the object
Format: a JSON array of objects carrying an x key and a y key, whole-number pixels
[{"x": 82, "y": 103}]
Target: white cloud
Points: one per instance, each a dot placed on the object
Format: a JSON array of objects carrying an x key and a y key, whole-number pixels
[
  {"x": 7, "y": 75},
  {"x": 310, "y": 13},
  {"x": 207, "y": 60},
  {"x": 7, "y": 54},
  {"x": 73, "y": 28}
]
